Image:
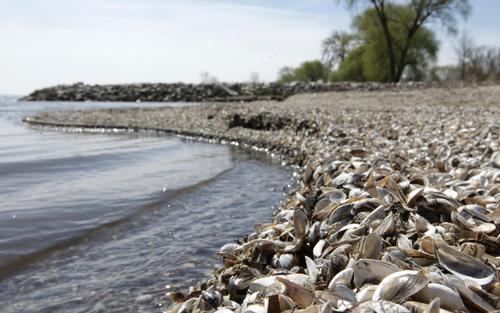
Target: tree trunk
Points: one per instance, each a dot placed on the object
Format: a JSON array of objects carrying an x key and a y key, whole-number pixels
[
  {"x": 404, "y": 53},
  {"x": 401, "y": 66},
  {"x": 390, "y": 48}
]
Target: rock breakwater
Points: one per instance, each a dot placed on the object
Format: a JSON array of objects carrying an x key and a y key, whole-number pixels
[
  {"x": 396, "y": 207},
  {"x": 180, "y": 92}
]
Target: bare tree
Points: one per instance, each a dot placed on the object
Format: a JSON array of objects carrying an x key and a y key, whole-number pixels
[
  {"x": 336, "y": 47},
  {"x": 464, "y": 51},
  {"x": 207, "y": 78},
  {"x": 477, "y": 62},
  {"x": 497, "y": 62},
  {"x": 423, "y": 11},
  {"x": 483, "y": 63},
  {"x": 255, "y": 78}
]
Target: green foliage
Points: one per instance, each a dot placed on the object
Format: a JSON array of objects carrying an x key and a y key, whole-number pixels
[
  {"x": 336, "y": 47},
  {"x": 389, "y": 42},
  {"x": 422, "y": 48},
  {"x": 307, "y": 71},
  {"x": 352, "y": 67},
  {"x": 371, "y": 59},
  {"x": 286, "y": 74},
  {"x": 438, "y": 11},
  {"x": 399, "y": 25}
]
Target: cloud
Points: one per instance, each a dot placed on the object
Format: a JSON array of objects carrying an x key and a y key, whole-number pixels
[
  {"x": 132, "y": 41},
  {"x": 47, "y": 42}
]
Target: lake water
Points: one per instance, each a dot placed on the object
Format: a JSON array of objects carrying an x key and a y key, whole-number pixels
[{"x": 103, "y": 222}]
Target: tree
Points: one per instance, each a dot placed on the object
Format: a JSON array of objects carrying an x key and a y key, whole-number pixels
[
  {"x": 464, "y": 52},
  {"x": 422, "y": 12},
  {"x": 312, "y": 71},
  {"x": 255, "y": 78},
  {"x": 444, "y": 73},
  {"x": 376, "y": 58},
  {"x": 484, "y": 63},
  {"x": 351, "y": 69},
  {"x": 336, "y": 47},
  {"x": 207, "y": 78},
  {"x": 475, "y": 62},
  {"x": 286, "y": 74},
  {"x": 369, "y": 59},
  {"x": 307, "y": 71}
]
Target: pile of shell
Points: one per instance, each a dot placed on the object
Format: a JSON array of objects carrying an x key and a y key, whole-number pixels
[
  {"x": 396, "y": 210},
  {"x": 368, "y": 234}
]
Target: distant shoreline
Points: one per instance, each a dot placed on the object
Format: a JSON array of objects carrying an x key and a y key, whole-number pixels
[
  {"x": 217, "y": 92},
  {"x": 220, "y": 121}
]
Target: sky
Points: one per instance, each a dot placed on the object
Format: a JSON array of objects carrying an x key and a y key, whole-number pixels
[{"x": 50, "y": 42}]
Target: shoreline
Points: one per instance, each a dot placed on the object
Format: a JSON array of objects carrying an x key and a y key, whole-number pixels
[
  {"x": 374, "y": 166},
  {"x": 215, "y": 92}
]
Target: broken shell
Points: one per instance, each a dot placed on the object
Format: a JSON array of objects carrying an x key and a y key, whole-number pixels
[
  {"x": 285, "y": 303},
  {"x": 300, "y": 295},
  {"x": 473, "y": 249}
]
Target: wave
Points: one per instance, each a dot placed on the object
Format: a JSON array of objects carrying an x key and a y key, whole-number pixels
[
  {"x": 99, "y": 155},
  {"x": 157, "y": 201}
]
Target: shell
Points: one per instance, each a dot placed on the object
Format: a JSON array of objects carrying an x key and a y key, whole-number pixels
[
  {"x": 318, "y": 248},
  {"x": 472, "y": 300},
  {"x": 380, "y": 306},
  {"x": 463, "y": 265},
  {"x": 285, "y": 261},
  {"x": 399, "y": 286},
  {"x": 367, "y": 271},
  {"x": 312, "y": 270},
  {"x": 450, "y": 299},
  {"x": 343, "y": 277},
  {"x": 300, "y": 295},
  {"x": 366, "y": 293},
  {"x": 395, "y": 210},
  {"x": 370, "y": 247}
]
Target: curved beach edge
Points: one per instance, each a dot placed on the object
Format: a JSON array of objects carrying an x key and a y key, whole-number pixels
[{"x": 383, "y": 171}]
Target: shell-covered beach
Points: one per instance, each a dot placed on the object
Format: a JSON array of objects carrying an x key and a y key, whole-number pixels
[{"x": 396, "y": 207}]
